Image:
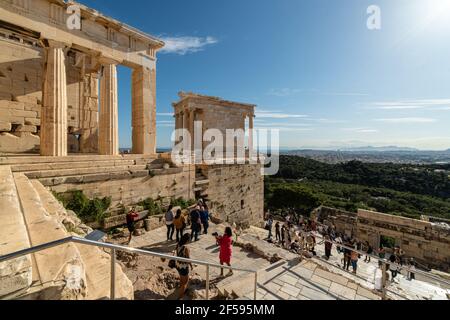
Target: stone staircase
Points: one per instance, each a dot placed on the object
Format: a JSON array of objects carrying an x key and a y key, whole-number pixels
[
  {"x": 70, "y": 271},
  {"x": 51, "y": 171},
  {"x": 201, "y": 184}
]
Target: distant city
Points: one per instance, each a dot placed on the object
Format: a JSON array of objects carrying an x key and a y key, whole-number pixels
[{"x": 375, "y": 155}]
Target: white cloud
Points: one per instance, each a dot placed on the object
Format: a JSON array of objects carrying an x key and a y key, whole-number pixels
[
  {"x": 407, "y": 120},
  {"x": 361, "y": 130},
  {"x": 185, "y": 45},
  {"x": 168, "y": 114},
  {"x": 434, "y": 104},
  {"x": 277, "y": 115},
  {"x": 285, "y": 92},
  {"x": 285, "y": 129}
]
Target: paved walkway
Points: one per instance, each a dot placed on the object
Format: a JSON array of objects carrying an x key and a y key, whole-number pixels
[
  {"x": 283, "y": 280},
  {"x": 205, "y": 250},
  {"x": 400, "y": 289}
]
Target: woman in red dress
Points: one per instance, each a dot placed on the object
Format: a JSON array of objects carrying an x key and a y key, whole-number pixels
[{"x": 225, "y": 242}]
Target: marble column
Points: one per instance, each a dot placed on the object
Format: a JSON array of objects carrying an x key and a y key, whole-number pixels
[
  {"x": 250, "y": 134},
  {"x": 108, "y": 135},
  {"x": 144, "y": 110},
  {"x": 191, "y": 128},
  {"x": 54, "y": 103},
  {"x": 185, "y": 125}
]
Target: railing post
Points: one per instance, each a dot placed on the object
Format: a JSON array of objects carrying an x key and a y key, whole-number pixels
[
  {"x": 207, "y": 282},
  {"x": 383, "y": 281},
  {"x": 256, "y": 286},
  {"x": 113, "y": 274}
]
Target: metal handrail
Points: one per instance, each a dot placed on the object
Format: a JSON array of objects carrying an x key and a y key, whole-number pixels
[{"x": 114, "y": 248}]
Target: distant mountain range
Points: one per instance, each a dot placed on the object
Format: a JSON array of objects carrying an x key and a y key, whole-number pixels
[
  {"x": 379, "y": 149},
  {"x": 365, "y": 149}
]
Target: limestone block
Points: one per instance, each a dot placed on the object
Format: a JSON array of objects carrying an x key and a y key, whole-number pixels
[
  {"x": 5, "y": 104},
  {"x": 23, "y": 142},
  {"x": 26, "y": 128},
  {"x": 12, "y": 283},
  {"x": 33, "y": 121},
  {"x": 5, "y": 126}
]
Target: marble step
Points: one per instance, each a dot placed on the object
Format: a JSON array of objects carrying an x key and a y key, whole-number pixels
[
  {"x": 16, "y": 274},
  {"x": 32, "y": 159},
  {"x": 70, "y": 165},
  {"x": 82, "y": 171},
  {"x": 97, "y": 263},
  {"x": 86, "y": 178},
  {"x": 60, "y": 270}
]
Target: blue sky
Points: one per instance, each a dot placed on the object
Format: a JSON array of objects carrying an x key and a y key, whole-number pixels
[{"x": 313, "y": 68}]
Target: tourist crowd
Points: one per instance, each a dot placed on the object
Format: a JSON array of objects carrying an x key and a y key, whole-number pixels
[{"x": 299, "y": 236}]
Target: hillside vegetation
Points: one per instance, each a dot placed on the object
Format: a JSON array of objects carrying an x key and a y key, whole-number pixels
[{"x": 408, "y": 190}]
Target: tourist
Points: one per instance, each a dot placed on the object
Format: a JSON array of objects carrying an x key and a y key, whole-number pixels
[
  {"x": 195, "y": 223},
  {"x": 288, "y": 219},
  {"x": 378, "y": 277},
  {"x": 269, "y": 224},
  {"x": 347, "y": 255},
  {"x": 393, "y": 266},
  {"x": 292, "y": 233},
  {"x": 354, "y": 256},
  {"x": 381, "y": 252},
  {"x": 401, "y": 256},
  {"x": 287, "y": 240},
  {"x": 225, "y": 242},
  {"x": 183, "y": 267},
  {"x": 338, "y": 239},
  {"x": 301, "y": 220},
  {"x": 204, "y": 218},
  {"x": 328, "y": 247},
  {"x": 369, "y": 251},
  {"x": 169, "y": 223},
  {"x": 277, "y": 232},
  {"x": 313, "y": 225},
  {"x": 131, "y": 217},
  {"x": 412, "y": 267},
  {"x": 179, "y": 224},
  {"x": 283, "y": 228}
]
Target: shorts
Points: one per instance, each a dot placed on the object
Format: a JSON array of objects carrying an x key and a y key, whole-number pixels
[
  {"x": 184, "y": 272},
  {"x": 131, "y": 227}
]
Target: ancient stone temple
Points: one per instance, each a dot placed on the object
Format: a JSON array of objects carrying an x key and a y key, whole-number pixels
[
  {"x": 58, "y": 85},
  {"x": 235, "y": 189},
  {"x": 213, "y": 113}
]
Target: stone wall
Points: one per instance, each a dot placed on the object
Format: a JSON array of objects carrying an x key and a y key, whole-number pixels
[
  {"x": 21, "y": 72},
  {"x": 427, "y": 242},
  {"x": 236, "y": 193},
  {"x": 344, "y": 221},
  {"x": 133, "y": 190}
]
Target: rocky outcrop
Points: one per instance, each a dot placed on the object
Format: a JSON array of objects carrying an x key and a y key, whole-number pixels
[{"x": 66, "y": 272}]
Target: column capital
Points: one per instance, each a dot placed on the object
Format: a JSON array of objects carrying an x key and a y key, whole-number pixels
[
  {"x": 52, "y": 44},
  {"x": 107, "y": 61}
]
